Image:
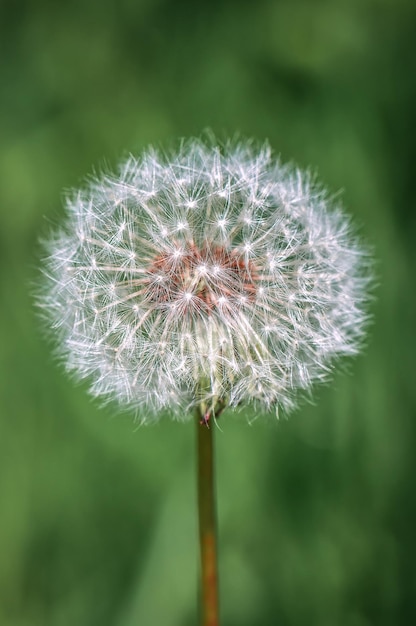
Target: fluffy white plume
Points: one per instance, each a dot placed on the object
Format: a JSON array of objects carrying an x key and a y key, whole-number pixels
[{"x": 211, "y": 275}]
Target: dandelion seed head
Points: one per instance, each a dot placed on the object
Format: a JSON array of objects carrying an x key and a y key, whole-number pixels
[{"x": 206, "y": 275}]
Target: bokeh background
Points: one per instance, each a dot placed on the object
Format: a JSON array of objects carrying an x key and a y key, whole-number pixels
[{"x": 317, "y": 513}]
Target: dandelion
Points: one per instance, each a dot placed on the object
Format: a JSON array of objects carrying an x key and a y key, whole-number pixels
[
  {"x": 204, "y": 279},
  {"x": 214, "y": 277}
]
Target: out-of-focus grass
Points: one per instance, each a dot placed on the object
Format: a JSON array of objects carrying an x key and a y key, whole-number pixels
[{"x": 317, "y": 513}]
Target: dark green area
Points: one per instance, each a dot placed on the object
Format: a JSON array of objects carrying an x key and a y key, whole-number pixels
[{"x": 317, "y": 513}]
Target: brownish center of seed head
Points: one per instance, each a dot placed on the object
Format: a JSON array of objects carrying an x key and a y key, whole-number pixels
[{"x": 212, "y": 276}]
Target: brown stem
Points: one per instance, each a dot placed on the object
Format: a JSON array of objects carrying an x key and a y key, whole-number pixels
[{"x": 207, "y": 520}]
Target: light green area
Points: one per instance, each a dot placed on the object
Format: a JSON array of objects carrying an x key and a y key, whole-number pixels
[{"x": 317, "y": 513}]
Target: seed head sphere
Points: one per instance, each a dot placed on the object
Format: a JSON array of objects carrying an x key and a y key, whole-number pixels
[{"x": 214, "y": 276}]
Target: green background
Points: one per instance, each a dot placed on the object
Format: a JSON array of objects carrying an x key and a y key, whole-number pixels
[{"x": 317, "y": 513}]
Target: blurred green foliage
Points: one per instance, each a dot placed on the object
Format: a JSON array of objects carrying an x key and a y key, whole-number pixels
[{"x": 317, "y": 513}]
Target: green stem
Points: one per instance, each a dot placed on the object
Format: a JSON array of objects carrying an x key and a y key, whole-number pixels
[{"x": 207, "y": 520}]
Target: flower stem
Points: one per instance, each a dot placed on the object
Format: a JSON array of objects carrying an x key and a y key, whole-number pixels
[{"x": 207, "y": 520}]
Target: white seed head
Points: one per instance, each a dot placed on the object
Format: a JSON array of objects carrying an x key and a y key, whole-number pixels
[{"x": 211, "y": 275}]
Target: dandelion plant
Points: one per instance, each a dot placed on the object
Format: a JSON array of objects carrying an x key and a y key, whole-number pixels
[{"x": 200, "y": 280}]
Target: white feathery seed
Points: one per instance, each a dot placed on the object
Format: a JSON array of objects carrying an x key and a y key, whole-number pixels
[{"x": 214, "y": 276}]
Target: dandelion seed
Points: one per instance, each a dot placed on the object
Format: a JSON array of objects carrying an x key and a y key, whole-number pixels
[{"x": 214, "y": 276}]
